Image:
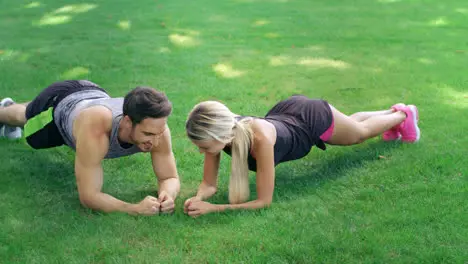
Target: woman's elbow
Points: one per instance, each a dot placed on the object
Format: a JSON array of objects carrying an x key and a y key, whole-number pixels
[
  {"x": 209, "y": 187},
  {"x": 213, "y": 189},
  {"x": 265, "y": 202}
]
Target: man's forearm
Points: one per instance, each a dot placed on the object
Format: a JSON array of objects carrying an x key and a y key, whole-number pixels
[
  {"x": 107, "y": 203},
  {"x": 171, "y": 186}
]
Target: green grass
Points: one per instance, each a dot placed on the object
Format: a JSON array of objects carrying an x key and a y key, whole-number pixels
[{"x": 372, "y": 203}]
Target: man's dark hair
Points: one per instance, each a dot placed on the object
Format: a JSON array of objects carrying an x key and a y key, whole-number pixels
[{"x": 146, "y": 102}]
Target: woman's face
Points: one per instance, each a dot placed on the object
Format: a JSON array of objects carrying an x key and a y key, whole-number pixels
[{"x": 209, "y": 146}]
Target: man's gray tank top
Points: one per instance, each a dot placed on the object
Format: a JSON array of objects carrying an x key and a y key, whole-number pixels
[{"x": 71, "y": 106}]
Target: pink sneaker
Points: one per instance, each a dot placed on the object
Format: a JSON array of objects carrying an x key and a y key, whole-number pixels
[
  {"x": 409, "y": 128},
  {"x": 394, "y": 132},
  {"x": 417, "y": 113}
]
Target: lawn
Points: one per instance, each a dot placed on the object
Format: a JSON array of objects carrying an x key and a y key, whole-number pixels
[{"x": 377, "y": 202}]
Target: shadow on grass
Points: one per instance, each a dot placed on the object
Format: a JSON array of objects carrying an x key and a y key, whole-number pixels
[
  {"x": 42, "y": 183},
  {"x": 293, "y": 181},
  {"x": 38, "y": 168},
  {"x": 48, "y": 177},
  {"x": 43, "y": 179},
  {"x": 303, "y": 177}
]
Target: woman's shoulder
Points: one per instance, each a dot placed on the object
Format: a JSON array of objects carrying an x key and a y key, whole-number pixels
[{"x": 263, "y": 131}]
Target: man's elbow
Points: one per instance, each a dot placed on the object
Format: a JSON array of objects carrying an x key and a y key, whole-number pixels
[{"x": 88, "y": 201}]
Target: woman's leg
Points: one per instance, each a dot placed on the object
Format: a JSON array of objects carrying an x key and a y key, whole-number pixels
[
  {"x": 349, "y": 131},
  {"x": 361, "y": 116}
]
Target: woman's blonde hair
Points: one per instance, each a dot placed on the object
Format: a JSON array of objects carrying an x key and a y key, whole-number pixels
[{"x": 211, "y": 120}]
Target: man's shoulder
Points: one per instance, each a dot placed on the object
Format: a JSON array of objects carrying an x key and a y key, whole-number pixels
[
  {"x": 97, "y": 119},
  {"x": 91, "y": 131}
]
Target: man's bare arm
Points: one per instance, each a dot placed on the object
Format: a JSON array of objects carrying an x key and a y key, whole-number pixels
[
  {"x": 164, "y": 166},
  {"x": 92, "y": 143}
]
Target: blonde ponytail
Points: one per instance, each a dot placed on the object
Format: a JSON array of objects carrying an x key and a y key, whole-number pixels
[{"x": 239, "y": 190}]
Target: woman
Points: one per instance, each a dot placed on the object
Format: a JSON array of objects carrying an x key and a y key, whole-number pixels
[{"x": 287, "y": 132}]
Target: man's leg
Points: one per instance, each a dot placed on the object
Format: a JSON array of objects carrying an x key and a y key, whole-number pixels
[
  {"x": 12, "y": 118},
  {"x": 12, "y": 114}
]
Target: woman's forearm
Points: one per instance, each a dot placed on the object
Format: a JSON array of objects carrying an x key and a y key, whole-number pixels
[{"x": 252, "y": 205}]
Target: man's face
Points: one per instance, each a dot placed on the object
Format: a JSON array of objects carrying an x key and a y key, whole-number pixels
[{"x": 146, "y": 134}]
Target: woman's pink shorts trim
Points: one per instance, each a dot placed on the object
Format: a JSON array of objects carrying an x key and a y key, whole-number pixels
[{"x": 327, "y": 134}]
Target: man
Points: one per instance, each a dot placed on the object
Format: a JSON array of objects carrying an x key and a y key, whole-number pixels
[{"x": 83, "y": 116}]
